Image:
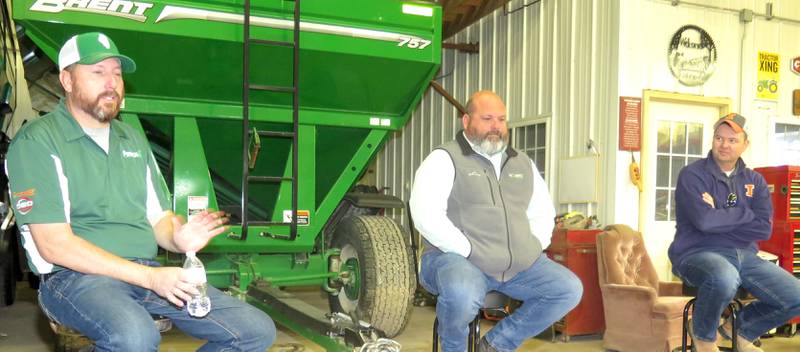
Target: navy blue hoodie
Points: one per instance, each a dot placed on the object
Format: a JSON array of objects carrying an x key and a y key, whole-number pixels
[{"x": 701, "y": 227}]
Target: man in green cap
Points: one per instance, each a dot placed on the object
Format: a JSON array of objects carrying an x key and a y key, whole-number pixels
[{"x": 92, "y": 208}]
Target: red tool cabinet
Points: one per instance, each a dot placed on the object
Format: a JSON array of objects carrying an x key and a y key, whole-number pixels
[
  {"x": 784, "y": 185},
  {"x": 577, "y": 250}
]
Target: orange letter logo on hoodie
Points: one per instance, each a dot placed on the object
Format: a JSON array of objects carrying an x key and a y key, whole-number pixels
[{"x": 749, "y": 187}]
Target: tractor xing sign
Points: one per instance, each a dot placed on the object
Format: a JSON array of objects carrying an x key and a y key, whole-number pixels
[{"x": 768, "y": 78}]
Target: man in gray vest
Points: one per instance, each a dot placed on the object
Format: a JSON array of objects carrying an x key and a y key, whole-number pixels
[{"x": 485, "y": 214}]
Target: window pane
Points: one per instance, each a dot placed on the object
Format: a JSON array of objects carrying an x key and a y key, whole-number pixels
[
  {"x": 530, "y": 136},
  {"x": 540, "y": 159},
  {"x": 695, "y": 138},
  {"x": 661, "y": 205},
  {"x": 678, "y": 162},
  {"x": 662, "y": 171},
  {"x": 663, "y": 136},
  {"x": 531, "y": 140},
  {"x": 540, "y": 167},
  {"x": 692, "y": 159},
  {"x": 540, "y": 135},
  {"x": 679, "y": 138},
  {"x": 672, "y": 205}
]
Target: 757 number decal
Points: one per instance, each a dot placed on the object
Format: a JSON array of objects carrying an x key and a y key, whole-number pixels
[{"x": 414, "y": 43}]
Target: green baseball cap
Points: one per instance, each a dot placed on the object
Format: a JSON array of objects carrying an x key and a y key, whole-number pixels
[{"x": 91, "y": 48}]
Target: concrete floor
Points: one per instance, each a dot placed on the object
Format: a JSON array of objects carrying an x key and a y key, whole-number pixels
[{"x": 23, "y": 328}]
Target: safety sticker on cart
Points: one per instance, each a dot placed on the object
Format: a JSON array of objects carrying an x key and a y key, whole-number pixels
[
  {"x": 195, "y": 204},
  {"x": 303, "y": 217}
]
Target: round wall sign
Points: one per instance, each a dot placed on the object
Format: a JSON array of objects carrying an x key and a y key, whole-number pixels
[{"x": 692, "y": 55}]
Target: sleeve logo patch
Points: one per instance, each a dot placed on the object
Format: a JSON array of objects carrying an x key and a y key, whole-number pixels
[{"x": 24, "y": 205}]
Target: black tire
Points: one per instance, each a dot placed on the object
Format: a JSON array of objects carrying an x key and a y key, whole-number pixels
[
  {"x": 359, "y": 211},
  {"x": 379, "y": 248}
]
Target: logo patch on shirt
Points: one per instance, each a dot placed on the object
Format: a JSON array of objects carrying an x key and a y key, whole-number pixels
[
  {"x": 515, "y": 176},
  {"x": 127, "y": 154},
  {"x": 474, "y": 173},
  {"x": 24, "y": 205},
  {"x": 30, "y": 192},
  {"x": 749, "y": 187}
]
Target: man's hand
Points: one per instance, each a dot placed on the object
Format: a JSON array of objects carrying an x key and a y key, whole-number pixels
[
  {"x": 195, "y": 234},
  {"x": 170, "y": 283},
  {"x": 708, "y": 199}
]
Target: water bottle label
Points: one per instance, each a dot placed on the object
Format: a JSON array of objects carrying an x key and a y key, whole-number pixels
[{"x": 199, "y": 307}]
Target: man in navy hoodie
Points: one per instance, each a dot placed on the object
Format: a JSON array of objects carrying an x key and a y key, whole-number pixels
[{"x": 723, "y": 208}]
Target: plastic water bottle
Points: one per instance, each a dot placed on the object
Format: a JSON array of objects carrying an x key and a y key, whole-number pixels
[{"x": 199, "y": 305}]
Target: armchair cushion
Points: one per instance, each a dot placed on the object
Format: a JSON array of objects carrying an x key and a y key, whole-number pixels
[
  {"x": 670, "y": 306},
  {"x": 670, "y": 288},
  {"x": 631, "y": 264}
]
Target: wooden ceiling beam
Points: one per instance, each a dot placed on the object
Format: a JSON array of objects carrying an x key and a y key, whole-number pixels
[{"x": 462, "y": 13}]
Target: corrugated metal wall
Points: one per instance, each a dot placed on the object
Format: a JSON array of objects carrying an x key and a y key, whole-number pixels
[{"x": 551, "y": 59}]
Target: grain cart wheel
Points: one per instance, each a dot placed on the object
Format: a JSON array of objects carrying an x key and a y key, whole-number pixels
[{"x": 378, "y": 279}]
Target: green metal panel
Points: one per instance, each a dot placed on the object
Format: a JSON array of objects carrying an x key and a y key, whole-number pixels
[
  {"x": 190, "y": 175},
  {"x": 344, "y": 68}
]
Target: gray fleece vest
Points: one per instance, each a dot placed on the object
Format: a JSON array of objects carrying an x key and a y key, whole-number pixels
[{"x": 490, "y": 212}]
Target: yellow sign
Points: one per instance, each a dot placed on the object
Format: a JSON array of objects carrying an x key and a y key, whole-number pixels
[{"x": 768, "y": 75}]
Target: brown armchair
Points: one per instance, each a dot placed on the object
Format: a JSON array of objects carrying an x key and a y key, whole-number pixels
[{"x": 642, "y": 313}]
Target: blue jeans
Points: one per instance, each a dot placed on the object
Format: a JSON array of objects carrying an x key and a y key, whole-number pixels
[
  {"x": 548, "y": 291},
  {"x": 718, "y": 273},
  {"x": 116, "y": 315}
]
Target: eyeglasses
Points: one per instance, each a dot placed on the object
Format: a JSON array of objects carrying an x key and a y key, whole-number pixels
[{"x": 731, "y": 201}]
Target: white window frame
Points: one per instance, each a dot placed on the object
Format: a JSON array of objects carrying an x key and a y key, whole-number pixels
[{"x": 542, "y": 119}]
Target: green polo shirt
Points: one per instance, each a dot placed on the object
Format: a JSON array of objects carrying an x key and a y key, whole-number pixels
[{"x": 58, "y": 174}]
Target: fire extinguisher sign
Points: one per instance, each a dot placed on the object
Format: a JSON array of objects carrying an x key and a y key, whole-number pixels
[{"x": 768, "y": 75}]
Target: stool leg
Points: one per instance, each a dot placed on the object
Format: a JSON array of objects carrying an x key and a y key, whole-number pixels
[
  {"x": 471, "y": 337},
  {"x": 435, "y": 334},
  {"x": 686, "y": 324},
  {"x": 477, "y": 337},
  {"x": 735, "y": 307}
]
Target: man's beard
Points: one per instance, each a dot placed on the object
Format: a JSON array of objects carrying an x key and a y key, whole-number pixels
[
  {"x": 486, "y": 145},
  {"x": 97, "y": 108}
]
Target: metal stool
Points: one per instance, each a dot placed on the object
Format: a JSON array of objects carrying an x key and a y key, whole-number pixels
[
  {"x": 68, "y": 340},
  {"x": 734, "y": 307},
  {"x": 494, "y": 302}
]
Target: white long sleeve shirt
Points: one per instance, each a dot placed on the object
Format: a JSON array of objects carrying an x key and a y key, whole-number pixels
[{"x": 432, "y": 185}]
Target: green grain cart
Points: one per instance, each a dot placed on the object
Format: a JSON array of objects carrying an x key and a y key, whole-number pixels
[{"x": 271, "y": 110}]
